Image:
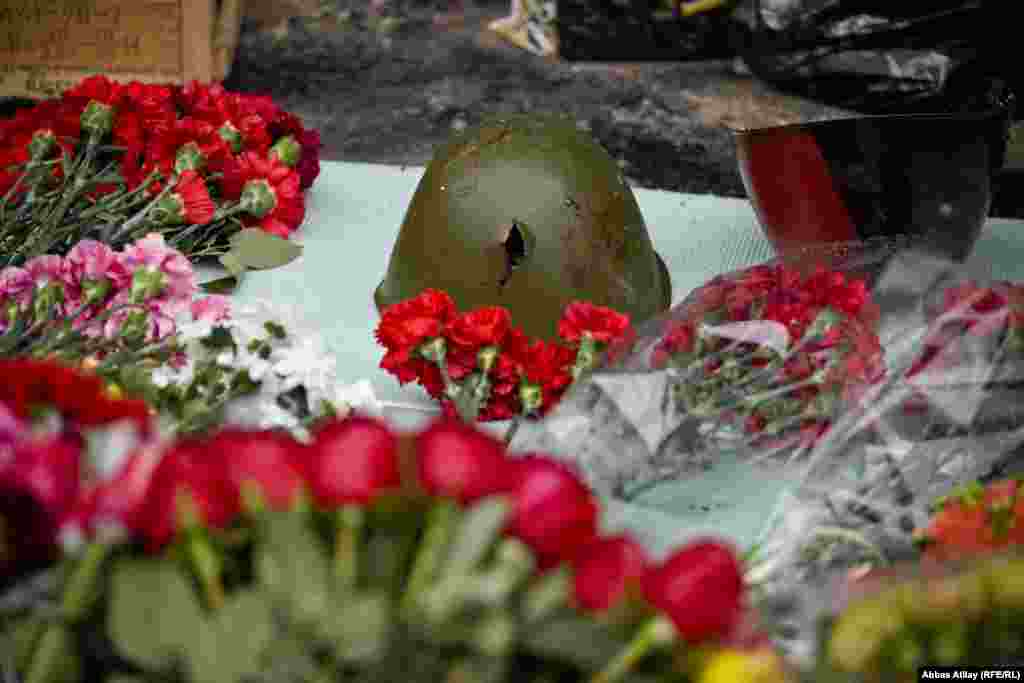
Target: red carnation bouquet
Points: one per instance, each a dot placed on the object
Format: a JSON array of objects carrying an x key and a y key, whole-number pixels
[
  {"x": 773, "y": 351},
  {"x": 362, "y": 554},
  {"x": 480, "y": 367},
  {"x": 112, "y": 162}
]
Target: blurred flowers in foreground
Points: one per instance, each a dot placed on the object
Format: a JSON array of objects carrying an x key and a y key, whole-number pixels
[{"x": 344, "y": 555}]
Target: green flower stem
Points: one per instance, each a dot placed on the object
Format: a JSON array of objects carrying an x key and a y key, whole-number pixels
[
  {"x": 206, "y": 563},
  {"x": 135, "y": 220},
  {"x": 29, "y": 167},
  {"x": 79, "y": 591},
  {"x": 656, "y": 634},
  {"x": 78, "y": 184},
  {"x": 349, "y": 522},
  {"x": 441, "y": 522}
]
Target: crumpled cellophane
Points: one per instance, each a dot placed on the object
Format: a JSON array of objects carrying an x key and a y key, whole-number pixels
[{"x": 944, "y": 406}]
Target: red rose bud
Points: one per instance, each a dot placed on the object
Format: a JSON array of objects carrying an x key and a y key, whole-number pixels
[
  {"x": 458, "y": 461},
  {"x": 287, "y": 151},
  {"x": 700, "y": 588},
  {"x": 352, "y": 461},
  {"x": 264, "y": 463},
  {"x": 604, "y": 570},
  {"x": 188, "y": 488},
  {"x": 553, "y": 511}
]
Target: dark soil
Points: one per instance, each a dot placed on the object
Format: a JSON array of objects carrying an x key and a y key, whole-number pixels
[{"x": 389, "y": 91}]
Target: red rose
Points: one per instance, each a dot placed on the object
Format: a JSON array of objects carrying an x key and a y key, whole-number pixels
[
  {"x": 455, "y": 460},
  {"x": 604, "y": 570},
  {"x": 352, "y": 461},
  {"x": 122, "y": 501},
  {"x": 700, "y": 588},
  {"x": 602, "y": 324},
  {"x": 188, "y": 486},
  {"x": 482, "y": 327},
  {"x": 265, "y": 460},
  {"x": 553, "y": 511}
]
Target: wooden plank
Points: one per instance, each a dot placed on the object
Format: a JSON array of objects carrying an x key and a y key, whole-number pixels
[{"x": 48, "y": 45}]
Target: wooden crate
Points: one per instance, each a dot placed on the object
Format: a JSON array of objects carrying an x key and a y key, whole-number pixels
[{"x": 48, "y": 45}]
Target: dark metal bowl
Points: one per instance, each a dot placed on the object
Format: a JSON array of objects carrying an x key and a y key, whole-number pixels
[{"x": 925, "y": 179}]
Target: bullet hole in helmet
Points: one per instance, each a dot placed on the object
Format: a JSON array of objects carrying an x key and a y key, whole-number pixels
[{"x": 515, "y": 252}]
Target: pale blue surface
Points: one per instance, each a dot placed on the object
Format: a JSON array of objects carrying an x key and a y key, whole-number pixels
[{"x": 354, "y": 212}]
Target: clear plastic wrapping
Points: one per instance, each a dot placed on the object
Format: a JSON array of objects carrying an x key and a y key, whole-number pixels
[{"x": 871, "y": 378}]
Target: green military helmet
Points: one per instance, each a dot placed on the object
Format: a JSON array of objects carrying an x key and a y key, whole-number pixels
[{"x": 528, "y": 213}]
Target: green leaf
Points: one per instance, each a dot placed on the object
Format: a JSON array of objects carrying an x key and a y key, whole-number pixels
[
  {"x": 55, "y": 658},
  {"x": 222, "y": 285},
  {"x": 292, "y": 564},
  {"x": 146, "y": 592},
  {"x": 479, "y": 530},
  {"x": 22, "y": 637},
  {"x": 259, "y": 250},
  {"x": 229, "y": 644},
  {"x": 572, "y": 638},
  {"x": 233, "y": 264},
  {"x": 358, "y": 627}
]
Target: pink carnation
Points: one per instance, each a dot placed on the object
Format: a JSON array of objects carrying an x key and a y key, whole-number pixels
[
  {"x": 152, "y": 253},
  {"x": 87, "y": 260},
  {"x": 159, "y": 322},
  {"x": 15, "y": 285},
  {"x": 46, "y": 269},
  {"x": 214, "y": 309}
]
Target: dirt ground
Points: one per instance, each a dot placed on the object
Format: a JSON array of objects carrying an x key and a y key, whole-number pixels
[{"x": 389, "y": 88}]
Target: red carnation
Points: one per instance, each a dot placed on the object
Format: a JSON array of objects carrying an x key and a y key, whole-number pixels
[
  {"x": 268, "y": 189},
  {"x": 583, "y": 318},
  {"x": 78, "y": 397},
  {"x": 553, "y": 511},
  {"x": 309, "y": 142},
  {"x": 700, "y": 588},
  {"x": 482, "y": 327},
  {"x": 407, "y": 324},
  {"x": 457, "y": 461},
  {"x": 190, "y": 202},
  {"x": 547, "y": 365},
  {"x": 352, "y": 461},
  {"x": 604, "y": 571},
  {"x": 267, "y": 461},
  {"x": 98, "y": 88},
  {"x": 680, "y": 338},
  {"x": 976, "y": 520}
]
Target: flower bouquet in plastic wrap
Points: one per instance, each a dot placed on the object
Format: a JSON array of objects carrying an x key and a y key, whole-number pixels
[{"x": 871, "y": 379}]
